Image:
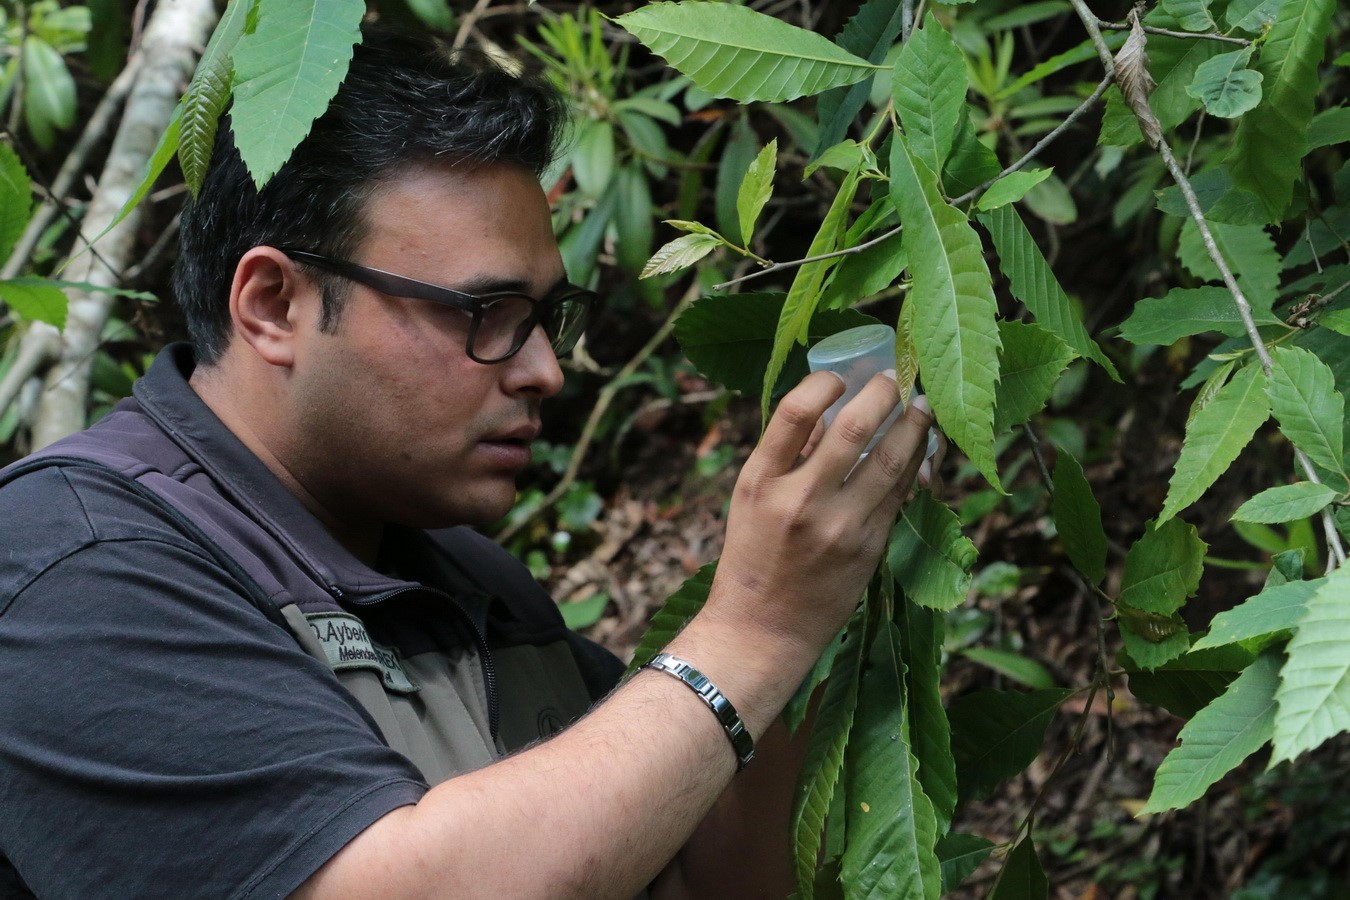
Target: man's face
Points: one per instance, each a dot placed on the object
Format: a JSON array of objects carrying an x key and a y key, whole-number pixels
[{"x": 395, "y": 422}]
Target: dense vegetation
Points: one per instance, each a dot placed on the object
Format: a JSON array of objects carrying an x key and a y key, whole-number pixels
[{"x": 1113, "y": 243}]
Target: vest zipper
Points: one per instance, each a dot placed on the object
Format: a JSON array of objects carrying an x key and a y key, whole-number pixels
[{"x": 484, "y": 654}]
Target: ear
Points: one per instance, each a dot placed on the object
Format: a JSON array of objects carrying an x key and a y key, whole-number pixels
[{"x": 269, "y": 301}]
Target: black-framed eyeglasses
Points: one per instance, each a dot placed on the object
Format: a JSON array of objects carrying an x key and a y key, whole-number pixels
[{"x": 499, "y": 322}]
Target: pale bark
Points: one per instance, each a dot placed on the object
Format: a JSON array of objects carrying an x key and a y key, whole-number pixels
[{"x": 174, "y": 36}]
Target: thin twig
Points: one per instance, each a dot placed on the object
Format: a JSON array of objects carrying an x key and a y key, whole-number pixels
[
  {"x": 1197, "y": 35},
  {"x": 795, "y": 263},
  {"x": 468, "y": 23},
  {"x": 906, "y": 19},
  {"x": 602, "y": 402}
]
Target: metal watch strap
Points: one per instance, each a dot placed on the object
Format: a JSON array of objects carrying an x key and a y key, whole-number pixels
[{"x": 741, "y": 742}]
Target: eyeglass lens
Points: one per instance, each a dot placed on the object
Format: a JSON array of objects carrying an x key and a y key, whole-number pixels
[{"x": 506, "y": 322}]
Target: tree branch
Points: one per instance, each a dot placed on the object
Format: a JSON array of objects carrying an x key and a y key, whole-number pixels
[{"x": 1193, "y": 35}]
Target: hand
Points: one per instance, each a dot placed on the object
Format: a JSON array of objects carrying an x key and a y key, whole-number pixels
[{"x": 804, "y": 536}]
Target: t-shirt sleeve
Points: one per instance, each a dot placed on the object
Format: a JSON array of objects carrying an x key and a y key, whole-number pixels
[{"x": 162, "y": 737}]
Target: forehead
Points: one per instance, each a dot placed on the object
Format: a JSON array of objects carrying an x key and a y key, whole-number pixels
[{"x": 449, "y": 224}]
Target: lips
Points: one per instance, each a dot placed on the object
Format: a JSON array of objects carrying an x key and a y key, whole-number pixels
[{"x": 510, "y": 448}]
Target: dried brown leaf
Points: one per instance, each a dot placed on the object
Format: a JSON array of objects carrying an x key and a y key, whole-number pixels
[{"x": 1134, "y": 79}]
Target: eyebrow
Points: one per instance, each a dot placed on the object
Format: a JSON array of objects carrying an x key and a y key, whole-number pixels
[{"x": 487, "y": 284}]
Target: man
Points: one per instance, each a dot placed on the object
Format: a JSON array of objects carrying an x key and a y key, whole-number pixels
[{"x": 233, "y": 664}]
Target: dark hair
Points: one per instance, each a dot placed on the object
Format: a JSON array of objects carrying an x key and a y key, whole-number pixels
[{"x": 405, "y": 100}]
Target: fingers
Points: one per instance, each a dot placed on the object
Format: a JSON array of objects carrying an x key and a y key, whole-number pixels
[
  {"x": 890, "y": 469},
  {"x": 854, "y": 427},
  {"x": 790, "y": 429}
]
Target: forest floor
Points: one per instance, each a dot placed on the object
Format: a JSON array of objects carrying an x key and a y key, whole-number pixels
[{"x": 1255, "y": 835}]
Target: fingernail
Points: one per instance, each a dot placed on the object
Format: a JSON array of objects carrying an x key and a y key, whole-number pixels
[
  {"x": 889, "y": 373},
  {"x": 920, "y": 402}
]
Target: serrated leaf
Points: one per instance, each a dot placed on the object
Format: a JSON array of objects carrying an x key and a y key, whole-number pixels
[
  {"x": 1220, "y": 737},
  {"x": 1225, "y": 85},
  {"x": 1273, "y": 610},
  {"x": 971, "y": 163},
  {"x": 48, "y": 91},
  {"x": 1032, "y": 282},
  {"x": 863, "y": 274},
  {"x": 1031, "y": 361},
  {"x": 756, "y": 189},
  {"x": 921, "y": 632},
  {"x": 1330, "y": 126},
  {"x": 804, "y": 294},
  {"x": 906, "y": 354},
  {"x": 930, "y": 89},
  {"x": 1191, "y": 15},
  {"x": 208, "y": 93},
  {"x": 1186, "y": 685},
  {"x": 1220, "y": 200},
  {"x": 1314, "y": 693},
  {"x": 1249, "y": 251},
  {"x": 1286, "y": 503},
  {"x": 959, "y": 855},
  {"x": 996, "y": 734},
  {"x": 891, "y": 828},
  {"x": 285, "y": 72},
  {"x": 16, "y": 199},
  {"x": 929, "y": 556},
  {"x": 1338, "y": 320},
  {"x": 1310, "y": 410},
  {"x": 1151, "y": 639},
  {"x": 1252, "y": 15},
  {"x": 869, "y": 34},
  {"x": 35, "y": 299},
  {"x": 1267, "y": 148},
  {"x": 1071, "y": 57},
  {"x": 1210, "y": 389},
  {"x": 729, "y": 339},
  {"x": 680, "y": 253},
  {"x": 1186, "y": 311},
  {"x": 1163, "y": 568},
  {"x": 1011, "y": 188},
  {"x": 736, "y": 52},
  {"x": 1215, "y": 437},
  {"x": 681, "y": 606},
  {"x": 1078, "y": 519},
  {"x": 824, "y": 759},
  {"x": 954, "y": 327},
  {"x": 1022, "y": 877}
]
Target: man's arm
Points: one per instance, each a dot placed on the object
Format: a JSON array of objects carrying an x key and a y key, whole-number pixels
[{"x": 599, "y": 810}]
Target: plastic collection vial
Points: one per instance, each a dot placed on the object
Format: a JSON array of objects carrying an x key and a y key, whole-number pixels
[{"x": 855, "y": 355}]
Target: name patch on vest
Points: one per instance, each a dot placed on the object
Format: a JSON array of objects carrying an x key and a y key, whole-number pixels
[{"x": 348, "y": 646}]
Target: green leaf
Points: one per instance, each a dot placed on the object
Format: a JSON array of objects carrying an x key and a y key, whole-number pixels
[
  {"x": 735, "y": 52},
  {"x": 1220, "y": 737},
  {"x": 1026, "y": 14},
  {"x": 1152, "y": 639},
  {"x": 1032, "y": 360},
  {"x": 1078, "y": 519},
  {"x": 1338, "y": 320},
  {"x": 959, "y": 855},
  {"x": 729, "y": 339},
  {"x": 208, "y": 94},
  {"x": 1012, "y": 664},
  {"x": 1058, "y": 63},
  {"x": 1249, "y": 251},
  {"x": 824, "y": 758},
  {"x": 285, "y": 72},
  {"x": 794, "y": 714},
  {"x": 48, "y": 91},
  {"x": 890, "y": 823},
  {"x": 108, "y": 28},
  {"x": 1191, "y": 15},
  {"x": 35, "y": 299},
  {"x": 1186, "y": 311},
  {"x": 1310, "y": 411},
  {"x": 1314, "y": 692},
  {"x": 1225, "y": 85},
  {"x": 1163, "y": 568},
  {"x": 1188, "y": 684},
  {"x": 680, "y": 253},
  {"x": 804, "y": 295},
  {"x": 632, "y": 217},
  {"x": 436, "y": 13},
  {"x": 1022, "y": 877},
  {"x": 1330, "y": 126},
  {"x": 930, "y": 90},
  {"x": 1220, "y": 200},
  {"x": 154, "y": 167},
  {"x": 1172, "y": 63},
  {"x": 953, "y": 296},
  {"x": 971, "y": 163},
  {"x": 869, "y": 34},
  {"x": 1032, "y": 282},
  {"x": 1215, "y": 437},
  {"x": 864, "y": 274},
  {"x": 1267, "y": 149},
  {"x": 682, "y": 606},
  {"x": 996, "y": 734},
  {"x": 1252, "y": 15},
  {"x": 1286, "y": 503},
  {"x": 16, "y": 199},
  {"x": 1273, "y": 610},
  {"x": 929, "y": 556},
  {"x": 921, "y": 632},
  {"x": 1011, "y": 188},
  {"x": 756, "y": 189},
  {"x": 583, "y": 613},
  {"x": 593, "y": 156}
]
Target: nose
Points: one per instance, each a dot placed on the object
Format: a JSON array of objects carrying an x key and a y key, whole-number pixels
[{"x": 534, "y": 369}]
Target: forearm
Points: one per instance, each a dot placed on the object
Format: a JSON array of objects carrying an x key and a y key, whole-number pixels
[{"x": 596, "y": 811}]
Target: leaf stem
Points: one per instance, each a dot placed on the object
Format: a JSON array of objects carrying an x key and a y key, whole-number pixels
[{"x": 1191, "y": 35}]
